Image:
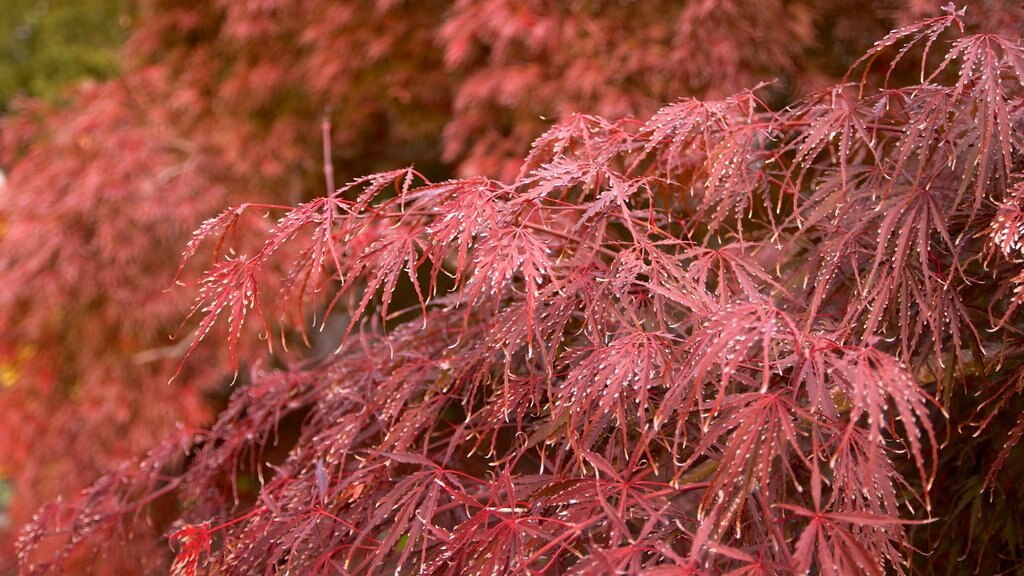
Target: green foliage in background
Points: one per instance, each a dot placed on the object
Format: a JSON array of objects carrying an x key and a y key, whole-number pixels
[{"x": 47, "y": 44}]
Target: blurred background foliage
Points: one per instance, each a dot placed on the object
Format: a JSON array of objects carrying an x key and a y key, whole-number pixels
[{"x": 45, "y": 45}]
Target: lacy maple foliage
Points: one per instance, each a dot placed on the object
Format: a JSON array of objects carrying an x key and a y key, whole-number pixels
[
  {"x": 722, "y": 339},
  {"x": 223, "y": 102}
]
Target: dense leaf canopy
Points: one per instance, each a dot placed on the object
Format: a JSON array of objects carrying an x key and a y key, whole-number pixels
[{"x": 749, "y": 331}]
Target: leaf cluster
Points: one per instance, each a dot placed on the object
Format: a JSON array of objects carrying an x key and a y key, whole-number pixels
[{"x": 721, "y": 340}]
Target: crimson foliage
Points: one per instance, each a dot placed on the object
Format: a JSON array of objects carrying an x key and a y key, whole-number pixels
[
  {"x": 222, "y": 101},
  {"x": 725, "y": 338},
  {"x": 728, "y": 337}
]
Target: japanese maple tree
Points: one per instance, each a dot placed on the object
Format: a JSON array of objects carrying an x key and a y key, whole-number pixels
[
  {"x": 729, "y": 336},
  {"x": 222, "y": 102}
]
